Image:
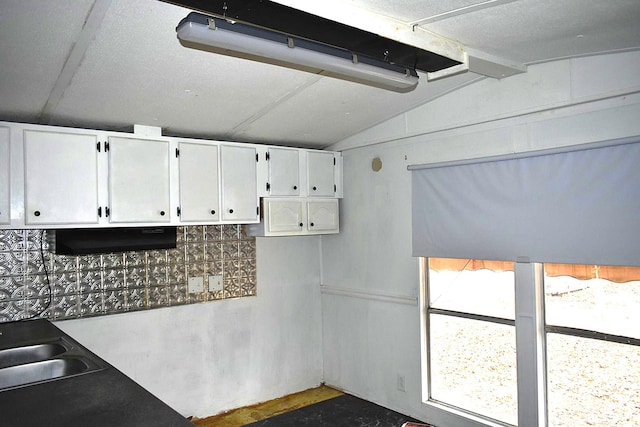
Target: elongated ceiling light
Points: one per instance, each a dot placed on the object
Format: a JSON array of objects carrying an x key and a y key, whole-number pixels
[{"x": 272, "y": 46}]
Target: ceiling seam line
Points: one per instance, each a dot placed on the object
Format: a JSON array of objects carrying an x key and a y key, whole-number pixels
[
  {"x": 449, "y": 128},
  {"x": 460, "y": 11},
  {"x": 269, "y": 107},
  {"x": 71, "y": 65}
]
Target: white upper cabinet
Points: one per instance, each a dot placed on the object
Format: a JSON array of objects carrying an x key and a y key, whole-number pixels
[
  {"x": 322, "y": 216},
  {"x": 284, "y": 172},
  {"x": 138, "y": 180},
  {"x": 284, "y": 215},
  {"x": 320, "y": 174},
  {"x": 239, "y": 189},
  {"x": 199, "y": 182},
  {"x": 5, "y": 214},
  {"x": 61, "y": 178},
  {"x": 58, "y": 177}
]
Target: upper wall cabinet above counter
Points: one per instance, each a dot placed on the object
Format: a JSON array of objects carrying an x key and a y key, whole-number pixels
[
  {"x": 61, "y": 185},
  {"x": 57, "y": 177},
  {"x": 301, "y": 173}
]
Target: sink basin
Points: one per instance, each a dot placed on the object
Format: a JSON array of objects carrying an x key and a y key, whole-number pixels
[
  {"x": 35, "y": 351},
  {"x": 30, "y": 353},
  {"x": 41, "y": 371}
]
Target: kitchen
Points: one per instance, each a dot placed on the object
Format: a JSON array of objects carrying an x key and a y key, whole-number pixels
[{"x": 331, "y": 309}]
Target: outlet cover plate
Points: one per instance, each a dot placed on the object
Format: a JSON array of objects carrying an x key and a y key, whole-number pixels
[
  {"x": 196, "y": 285},
  {"x": 215, "y": 283},
  {"x": 401, "y": 383}
]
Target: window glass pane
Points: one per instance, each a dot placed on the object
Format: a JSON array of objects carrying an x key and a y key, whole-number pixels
[
  {"x": 473, "y": 366},
  {"x": 592, "y": 382},
  {"x": 472, "y": 286},
  {"x": 589, "y": 381},
  {"x": 598, "y": 298}
]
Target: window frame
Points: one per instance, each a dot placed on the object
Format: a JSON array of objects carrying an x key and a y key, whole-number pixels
[
  {"x": 531, "y": 336},
  {"x": 530, "y": 344}
]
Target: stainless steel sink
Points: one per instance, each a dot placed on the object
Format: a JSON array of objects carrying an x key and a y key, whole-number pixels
[
  {"x": 33, "y": 352},
  {"x": 30, "y": 353},
  {"x": 41, "y": 371}
]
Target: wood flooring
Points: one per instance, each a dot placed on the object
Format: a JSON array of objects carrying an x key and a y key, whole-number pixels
[{"x": 250, "y": 414}]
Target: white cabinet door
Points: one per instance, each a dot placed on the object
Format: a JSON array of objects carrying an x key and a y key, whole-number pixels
[
  {"x": 61, "y": 178},
  {"x": 322, "y": 216},
  {"x": 138, "y": 180},
  {"x": 5, "y": 214},
  {"x": 284, "y": 172},
  {"x": 284, "y": 216},
  {"x": 320, "y": 174},
  {"x": 297, "y": 217},
  {"x": 199, "y": 194},
  {"x": 239, "y": 188}
]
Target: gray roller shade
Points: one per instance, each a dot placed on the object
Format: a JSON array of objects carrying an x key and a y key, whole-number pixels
[{"x": 580, "y": 206}]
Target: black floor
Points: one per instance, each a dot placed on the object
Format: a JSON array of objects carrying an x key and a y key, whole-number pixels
[{"x": 345, "y": 410}]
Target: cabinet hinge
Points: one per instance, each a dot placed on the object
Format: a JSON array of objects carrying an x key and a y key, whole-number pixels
[
  {"x": 268, "y": 186},
  {"x": 178, "y": 211},
  {"x": 99, "y": 211},
  {"x": 106, "y": 146},
  {"x": 267, "y": 156},
  {"x": 177, "y": 152}
]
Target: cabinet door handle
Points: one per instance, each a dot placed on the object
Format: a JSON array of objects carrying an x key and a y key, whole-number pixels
[
  {"x": 295, "y": 187},
  {"x": 36, "y": 213},
  {"x": 311, "y": 224},
  {"x": 213, "y": 211},
  {"x": 301, "y": 225},
  {"x": 230, "y": 210},
  {"x": 161, "y": 213},
  {"x": 315, "y": 188}
]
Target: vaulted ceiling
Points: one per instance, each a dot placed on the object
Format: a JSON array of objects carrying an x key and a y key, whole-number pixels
[{"x": 109, "y": 64}]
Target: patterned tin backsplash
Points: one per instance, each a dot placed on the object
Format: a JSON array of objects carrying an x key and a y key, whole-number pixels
[{"x": 96, "y": 285}]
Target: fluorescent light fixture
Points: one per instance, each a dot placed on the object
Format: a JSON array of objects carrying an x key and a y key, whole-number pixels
[{"x": 268, "y": 45}]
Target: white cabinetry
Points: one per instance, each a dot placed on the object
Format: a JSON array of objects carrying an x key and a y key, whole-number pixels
[
  {"x": 239, "y": 190},
  {"x": 138, "y": 180},
  {"x": 320, "y": 174},
  {"x": 322, "y": 216},
  {"x": 296, "y": 217},
  {"x": 284, "y": 172},
  {"x": 284, "y": 215},
  {"x": 5, "y": 214},
  {"x": 61, "y": 178},
  {"x": 57, "y": 177},
  {"x": 293, "y": 172},
  {"x": 199, "y": 194}
]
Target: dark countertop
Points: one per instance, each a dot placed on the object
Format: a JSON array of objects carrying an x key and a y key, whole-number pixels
[
  {"x": 105, "y": 398},
  {"x": 100, "y": 398}
]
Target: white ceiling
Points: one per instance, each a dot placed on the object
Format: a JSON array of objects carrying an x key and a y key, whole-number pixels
[{"x": 109, "y": 64}]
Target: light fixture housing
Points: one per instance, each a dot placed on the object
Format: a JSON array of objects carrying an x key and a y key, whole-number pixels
[{"x": 248, "y": 41}]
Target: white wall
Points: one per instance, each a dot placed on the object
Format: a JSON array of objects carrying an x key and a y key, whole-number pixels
[
  {"x": 371, "y": 320},
  {"x": 202, "y": 359}
]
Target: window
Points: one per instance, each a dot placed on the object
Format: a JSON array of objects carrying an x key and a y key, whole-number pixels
[
  {"x": 573, "y": 205},
  {"x": 592, "y": 322},
  {"x": 472, "y": 353},
  {"x": 578, "y": 368}
]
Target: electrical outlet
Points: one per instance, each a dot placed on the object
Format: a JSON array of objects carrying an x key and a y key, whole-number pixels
[
  {"x": 215, "y": 283},
  {"x": 400, "y": 382},
  {"x": 195, "y": 285}
]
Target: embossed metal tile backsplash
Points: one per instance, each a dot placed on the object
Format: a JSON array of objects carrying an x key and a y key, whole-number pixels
[{"x": 95, "y": 285}]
